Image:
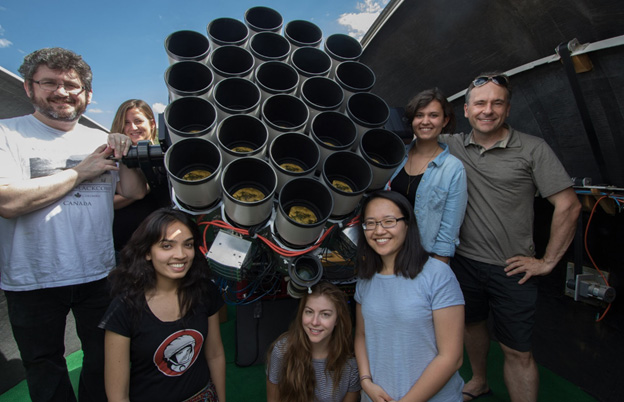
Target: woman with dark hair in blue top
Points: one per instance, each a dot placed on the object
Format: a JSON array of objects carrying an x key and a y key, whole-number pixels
[
  {"x": 410, "y": 309},
  {"x": 430, "y": 177}
]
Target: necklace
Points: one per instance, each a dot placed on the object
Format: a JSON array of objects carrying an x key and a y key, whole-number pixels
[{"x": 413, "y": 178}]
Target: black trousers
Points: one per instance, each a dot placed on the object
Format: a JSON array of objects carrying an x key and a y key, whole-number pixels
[{"x": 38, "y": 320}]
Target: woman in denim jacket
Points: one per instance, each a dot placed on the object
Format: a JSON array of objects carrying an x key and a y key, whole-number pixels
[{"x": 432, "y": 179}]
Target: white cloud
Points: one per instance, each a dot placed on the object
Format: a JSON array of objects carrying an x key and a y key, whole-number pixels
[
  {"x": 158, "y": 107},
  {"x": 359, "y": 22},
  {"x": 96, "y": 111},
  {"x": 5, "y": 43}
]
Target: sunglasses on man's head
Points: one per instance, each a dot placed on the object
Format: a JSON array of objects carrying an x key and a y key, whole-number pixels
[{"x": 501, "y": 80}]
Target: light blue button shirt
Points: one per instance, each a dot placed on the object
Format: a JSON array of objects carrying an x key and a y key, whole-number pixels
[{"x": 440, "y": 202}]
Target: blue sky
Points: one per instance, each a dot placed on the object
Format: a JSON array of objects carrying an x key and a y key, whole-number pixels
[{"x": 123, "y": 41}]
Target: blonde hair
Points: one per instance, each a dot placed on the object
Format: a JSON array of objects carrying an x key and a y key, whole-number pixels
[{"x": 120, "y": 117}]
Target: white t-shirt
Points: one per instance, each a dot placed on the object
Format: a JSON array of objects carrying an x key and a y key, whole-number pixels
[{"x": 70, "y": 241}]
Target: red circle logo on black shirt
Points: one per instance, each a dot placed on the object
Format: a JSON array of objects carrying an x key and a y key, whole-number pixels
[{"x": 178, "y": 352}]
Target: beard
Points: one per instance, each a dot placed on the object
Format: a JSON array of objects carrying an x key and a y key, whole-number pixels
[{"x": 44, "y": 107}]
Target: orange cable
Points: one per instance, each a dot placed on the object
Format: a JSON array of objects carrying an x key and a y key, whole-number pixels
[{"x": 590, "y": 256}]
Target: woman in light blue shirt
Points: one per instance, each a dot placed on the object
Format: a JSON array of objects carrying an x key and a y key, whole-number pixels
[
  {"x": 430, "y": 177},
  {"x": 409, "y": 310}
]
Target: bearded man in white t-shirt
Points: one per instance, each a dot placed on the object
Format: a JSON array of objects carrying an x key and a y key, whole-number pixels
[{"x": 57, "y": 181}]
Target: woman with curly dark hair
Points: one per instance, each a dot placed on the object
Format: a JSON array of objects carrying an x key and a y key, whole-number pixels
[
  {"x": 163, "y": 340},
  {"x": 313, "y": 360}
]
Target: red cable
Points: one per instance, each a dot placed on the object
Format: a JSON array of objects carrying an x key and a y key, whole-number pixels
[{"x": 272, "y": 246}]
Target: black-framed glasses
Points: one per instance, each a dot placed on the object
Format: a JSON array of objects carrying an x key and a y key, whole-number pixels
[
  {"x": 501, "y": 80},
  {"x": 386, "y": 223},
  {"x": 51, "y": 86}
]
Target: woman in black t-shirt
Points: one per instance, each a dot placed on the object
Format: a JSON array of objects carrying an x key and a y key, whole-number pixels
[{"x": 163, "y": 340}]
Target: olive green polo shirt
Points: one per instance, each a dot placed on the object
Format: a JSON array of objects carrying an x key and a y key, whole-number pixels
[{"x": 502, "y": 184}]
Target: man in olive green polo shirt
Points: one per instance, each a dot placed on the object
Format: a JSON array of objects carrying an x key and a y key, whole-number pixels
[{"x": 495, "y": 262}]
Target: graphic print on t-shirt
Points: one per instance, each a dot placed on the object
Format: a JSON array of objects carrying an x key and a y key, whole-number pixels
[
  {"x": 178, "y": 352},
  {"x": 85, "y": 192},
  {"x": 48, "y": 165}
]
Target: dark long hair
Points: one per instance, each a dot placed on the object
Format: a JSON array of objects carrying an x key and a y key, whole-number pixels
[
  {"x": 297, "y": 379},
  {"x": 135, "y": 275},
  {"x": 424, "y": 98},
  {"x": 411, "y": 257}
]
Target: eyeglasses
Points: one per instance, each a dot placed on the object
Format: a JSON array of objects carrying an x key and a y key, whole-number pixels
[
  {"x": 501, "y": 80},
  {"x": 386, "y": 223},
  {"x": 51, "y": 86}
]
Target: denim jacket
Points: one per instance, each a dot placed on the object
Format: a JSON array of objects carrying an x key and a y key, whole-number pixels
[{"x": 440, "y": 202}]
